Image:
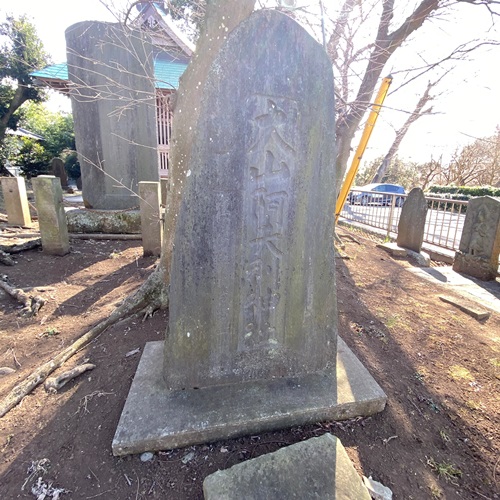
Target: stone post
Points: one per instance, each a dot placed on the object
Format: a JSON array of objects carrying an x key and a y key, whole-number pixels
[
  {"x": 151, "y": 224},
  {"x": 51, "y": 215},
  {"x": 164, "y": 190},
  {"x": 16, "y": 201}
]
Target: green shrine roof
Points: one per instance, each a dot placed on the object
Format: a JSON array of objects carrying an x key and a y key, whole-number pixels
[
  {"x": 56, "y": 72},
  {"x": 167, "y": 73}
]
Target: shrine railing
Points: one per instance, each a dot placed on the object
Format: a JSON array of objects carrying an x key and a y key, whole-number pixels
[{"x": 444, "y": 221}]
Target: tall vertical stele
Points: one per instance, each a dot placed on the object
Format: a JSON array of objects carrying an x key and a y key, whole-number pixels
[{"x": 252, "y": 337}]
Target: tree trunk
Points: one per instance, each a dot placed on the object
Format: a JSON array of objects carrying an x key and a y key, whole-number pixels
[
  {"x": 20, "y": 97},
  {"x": 401, "y": 133},
  {"x": 385, "y": 45},
  {"x": 221, "y": 17}
]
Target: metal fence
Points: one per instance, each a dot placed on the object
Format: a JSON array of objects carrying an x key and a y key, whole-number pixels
[{"x": 443, "y": 226}]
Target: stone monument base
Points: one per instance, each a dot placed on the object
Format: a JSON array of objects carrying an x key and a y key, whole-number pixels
[
  {"x": 474, "y": 266},
  {"x": 155, "y": 418}
]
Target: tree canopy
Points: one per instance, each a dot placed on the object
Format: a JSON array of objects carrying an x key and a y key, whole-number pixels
[
  {"x": 21, "y": 52},
  {"x": 57, "y": 130}
]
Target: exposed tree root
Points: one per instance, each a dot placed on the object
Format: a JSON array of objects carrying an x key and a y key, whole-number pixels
[
  {"x": 32, "y": 303},
  {"x": 152, "y": 294},
  {"x": 53, "y": 384},
  {"x": 21, "y": 247}
]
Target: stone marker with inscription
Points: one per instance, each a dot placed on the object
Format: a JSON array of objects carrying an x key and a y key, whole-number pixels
[
  {"x": 252, "y": 337},
  {"x": 480, "y": 243},
  {"x": 412, "y": 221}
]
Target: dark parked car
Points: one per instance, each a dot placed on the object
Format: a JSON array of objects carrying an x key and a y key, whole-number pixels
[{"x": 376, "y": 193}]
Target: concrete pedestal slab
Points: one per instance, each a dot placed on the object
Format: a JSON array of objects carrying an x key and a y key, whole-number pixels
[
  {"x": 154, "y": 418},
  {"x": 312, "y": 469}
]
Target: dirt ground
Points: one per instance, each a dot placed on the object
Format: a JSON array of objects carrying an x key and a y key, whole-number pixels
[{"x": 437, "y": 438}]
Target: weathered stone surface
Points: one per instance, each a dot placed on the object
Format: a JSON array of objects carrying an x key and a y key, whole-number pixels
[
  {"x": 422, "y": 259},
  {"x": 253, "y": 319},
  {"x": 252, "y": 290},
  {"x": 164, "y": 191},
  {"x": 318, "y": 468},
  {"x": 155, "y": 418},
  {"x": 377, "y": 490},
  {"x": 5, "y": 370},
  {"x": 16, "y": 201},
  {"x": 151, "y": 222},
  {"x": 464, "y": 305},
  {"x": 51, "y": 216},
  {"x": 412, "y": 221},
  {"x": 394, "y": 249},
  {"x": 104, "y": 221},
  {"x": 113, "y": 102},
  {"x": 480, "y": 243},
  {"x": 57, "y": 169}
]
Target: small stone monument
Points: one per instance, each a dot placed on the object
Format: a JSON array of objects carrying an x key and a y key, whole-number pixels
[
  {"x": 16, "y": 201},
  {"x": 252, "y": 337},
  {"x": 480, "y": 243},
  {"x": 57, "y": 169},
  {"x": 51, "y": 215},
  {"x": 412, "y": 221}
]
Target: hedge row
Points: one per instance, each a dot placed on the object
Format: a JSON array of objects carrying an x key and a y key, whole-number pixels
[{"x": 467, "y": 191}]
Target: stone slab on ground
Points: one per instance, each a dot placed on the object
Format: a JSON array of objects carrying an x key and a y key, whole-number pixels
[
  {"x": 421, "y": 258},
  {"x": 154, "y": 418},
  {"x": 315, "y": 468},
  {"x": 465, "y": 306},
  {"x": 484, "y": 293},
  {"x": 393, "y": 249}
]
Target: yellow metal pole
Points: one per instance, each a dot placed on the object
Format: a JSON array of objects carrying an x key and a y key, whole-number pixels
[{"x": 367, "y": 132}]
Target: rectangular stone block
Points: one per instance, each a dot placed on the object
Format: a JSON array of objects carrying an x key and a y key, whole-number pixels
[
  {"x": 317, "y": 468},
  {"x": 51, "y": 214},
  {"x": 151, "y": 222},
  {"x": 16, "y": 201},
  {"x": 464, "y": 305},
  {"x": 164, "y": 191}
]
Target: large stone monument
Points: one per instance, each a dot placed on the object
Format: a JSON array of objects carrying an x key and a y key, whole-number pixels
[
  {"x": 113, "y": 101},
  {"x": 480, "y": 243},
  {"x": 252, "y": 337},
  {"x": 412, "y": 221}
]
